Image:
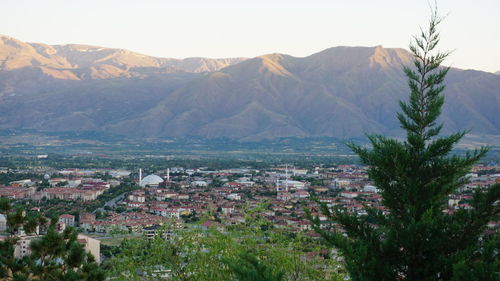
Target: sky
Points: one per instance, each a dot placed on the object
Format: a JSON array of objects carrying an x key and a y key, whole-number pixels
[{"x": 236, "y": 28}]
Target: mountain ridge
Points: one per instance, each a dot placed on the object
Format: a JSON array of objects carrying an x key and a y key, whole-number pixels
[
  {"x": 339, "y": 92},
  {"x": 78, "y": 61}
]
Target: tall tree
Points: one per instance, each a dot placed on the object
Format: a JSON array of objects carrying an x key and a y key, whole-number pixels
[
  {"x": 54, "y": 256},
  {"x": 414, "y": 239},
  {"x": 59, "y": 256}
]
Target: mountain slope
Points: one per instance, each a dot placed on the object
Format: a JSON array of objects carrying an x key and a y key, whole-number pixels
[
  {"x": 339, "y": 92},
  {"x": 77, "y": 62}
]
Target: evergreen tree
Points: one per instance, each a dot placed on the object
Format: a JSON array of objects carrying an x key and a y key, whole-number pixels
[
  {"x": 55, "y": 256},
  {"x": 413, "y": 239},
  {"x": 59, "y": 256},
  {"x": 248, "y": 268}
]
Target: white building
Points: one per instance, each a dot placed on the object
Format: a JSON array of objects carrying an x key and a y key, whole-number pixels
[
  {"x": 291, "y": 184},
  {"x": 199, "y": 184},
  {"x": 301, "y": 172},
  {"x": 3, "y": 223},
  {"x": 233, "y": 196},
  {"x": 151, "y": 181},
  {"x": 67, "y": 219},
  {"x": 90, "y": 245},
  {"x": 340, "y": 183},
  {"x": 347, "y": 194},
  {"x": 370, "y": 188}
]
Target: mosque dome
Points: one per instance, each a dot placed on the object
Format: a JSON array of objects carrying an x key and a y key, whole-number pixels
[{"x": 151, "y": 180}]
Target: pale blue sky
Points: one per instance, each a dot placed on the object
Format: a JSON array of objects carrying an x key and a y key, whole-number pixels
[{"x": 234, "y": 28}]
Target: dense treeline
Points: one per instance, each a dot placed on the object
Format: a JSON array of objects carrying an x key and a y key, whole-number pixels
[{"x": 6, "y": 178}]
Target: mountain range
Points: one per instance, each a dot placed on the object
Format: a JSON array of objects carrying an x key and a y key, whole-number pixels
[{"x": 340, "y": 92}]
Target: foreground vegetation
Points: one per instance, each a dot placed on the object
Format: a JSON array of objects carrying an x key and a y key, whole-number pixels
[
  {"x": 53, "y": 256},
  {"x": 413, "y": 239},
  {"x": 225, "y": 255}
]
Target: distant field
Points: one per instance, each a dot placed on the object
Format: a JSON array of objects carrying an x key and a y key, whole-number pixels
[{"x": 97, "y": 149}]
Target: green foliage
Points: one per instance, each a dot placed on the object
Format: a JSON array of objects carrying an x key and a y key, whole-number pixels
[
  {"x": 109, "y": 251},
  {"x": 415, "y": 239},
  {"x": 43, "y": 184},
  {"x": 111, "y": 193},
  {"x": 481, "y": 262},
  {"x": 4, "y": 205},
  {"x": 6, "y": 178},
  {"x": 59, "y": 256},
  {"x": 196, "y": 254},
  {"x": 63, "y": 183},
  {"x": 54, "y": 256},
  {"x": 248, "y": 268}
]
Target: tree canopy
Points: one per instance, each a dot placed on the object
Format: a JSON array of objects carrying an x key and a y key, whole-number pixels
[
  {"x": 413, "y": 238},
  {"x": 52, "y": 256}
]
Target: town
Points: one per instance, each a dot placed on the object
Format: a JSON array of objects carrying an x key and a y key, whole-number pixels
[{"x": 119, "y": 203}]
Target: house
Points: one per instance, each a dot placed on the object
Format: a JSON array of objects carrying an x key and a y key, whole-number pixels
[
  {"x": 17, "y": 192},
  {"x": 137, "y": 196},
  {"x": 22, "y": 247},
  {"x": 227, "y": 209},
  {"x": 233, "y": 196},
  {"x": 209, "y": 224},
  {"x": 152, "y": 231},
  {"x": 183, "y": 197},
  {"x": 199, "y": 184},
  {"x": 245, "y": 182},
  {"x": 3, "y": 223},
  {"x": 92, "y": 246},
  {"x": 301, "y": 194},
  {"x": 284, "y": 196},
  {"x": 22, "y": 183},
  {"x": 69, "y": 193},
  {"x": 304, "y": 225},
  {"x": 340, "y": 183},
  {"x": 347, "y": 194},
  {"x": 370, "y": 188},
  {"x": 165, "y": 195},
  {"x": 292, "y": 184},
  {"x": 67, "y": 219}
]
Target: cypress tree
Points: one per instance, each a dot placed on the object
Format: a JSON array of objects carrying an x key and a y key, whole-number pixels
[{"x": 413, "y": 238}]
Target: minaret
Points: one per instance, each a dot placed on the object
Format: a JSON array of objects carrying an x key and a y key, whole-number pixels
[
  {"x": 140, "y": 176},
  {"x": 168, "y": 174},
  {"x": 286, "y": 177}
]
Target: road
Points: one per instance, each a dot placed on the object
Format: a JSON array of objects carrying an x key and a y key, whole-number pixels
[{"x": 111, "y": 203}]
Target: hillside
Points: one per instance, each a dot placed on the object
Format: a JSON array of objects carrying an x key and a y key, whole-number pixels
[
  {"x": 340, "y": 92},
  {"x": 77, "y": 62}
]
